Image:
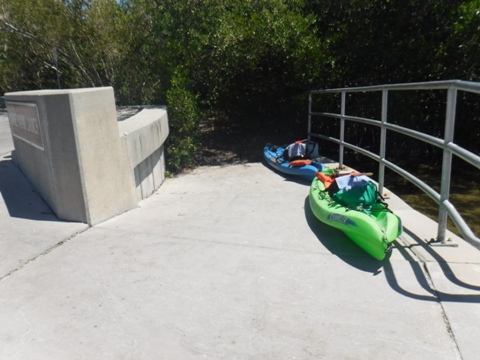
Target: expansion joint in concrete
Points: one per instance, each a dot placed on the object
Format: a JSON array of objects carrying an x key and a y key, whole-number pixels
[
  {"x": 448, "y": 326},
  {"x": 47, "y": 251}
]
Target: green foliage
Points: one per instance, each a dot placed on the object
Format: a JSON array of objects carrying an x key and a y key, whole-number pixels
[
  {"x": 141, "y": 75},
  {"x": 260, "y": 56},
  {"x": 82, "y": 32},
  {"x": 461, "y": 50},
  {"x": 395, "y": 41},
  {"x": 183, "y": 121},
  {"x": 248, "y": 63}
]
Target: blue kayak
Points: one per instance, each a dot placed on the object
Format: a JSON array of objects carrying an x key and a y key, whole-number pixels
[{"x": 274, "y": 157}]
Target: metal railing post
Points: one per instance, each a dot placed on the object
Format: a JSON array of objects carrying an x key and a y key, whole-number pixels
[
  {"x": 383, "y": 141},
  {"x": 447, "y": 163},
  {"x": 342, "y": 130},
  {"x": 309, "y": 130},
  {"x": 446, "y": 143}
]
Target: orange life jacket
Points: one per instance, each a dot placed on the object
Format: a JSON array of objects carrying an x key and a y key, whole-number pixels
[
  {"x": 325, "y": 179},
  {"x": 300, "y": 162}
]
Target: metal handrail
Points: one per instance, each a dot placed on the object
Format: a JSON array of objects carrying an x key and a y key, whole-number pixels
[{"x": 447, "y": 144}]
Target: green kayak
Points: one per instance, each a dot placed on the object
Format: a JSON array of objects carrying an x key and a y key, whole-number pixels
[{"x": 373, "y": 230}]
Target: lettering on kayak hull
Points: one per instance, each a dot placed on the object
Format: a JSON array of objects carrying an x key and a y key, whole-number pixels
[{"x": 342, "y": 219}]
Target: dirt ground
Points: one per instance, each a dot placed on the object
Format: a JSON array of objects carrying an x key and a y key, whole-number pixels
[
  {"x": 222, "y": 145},
  {"x": 228, "y": 146}
]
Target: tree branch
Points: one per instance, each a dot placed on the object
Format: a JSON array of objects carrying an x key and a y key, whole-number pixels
[{"x": 9, "y": 27}]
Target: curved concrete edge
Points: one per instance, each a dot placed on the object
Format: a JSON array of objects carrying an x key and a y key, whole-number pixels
[
  {"x": 143, "y": 136},
  {"x": 144, "y": 133}
]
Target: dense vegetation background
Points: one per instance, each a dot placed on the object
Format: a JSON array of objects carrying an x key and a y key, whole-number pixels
[{"x": 243, "y": 66}]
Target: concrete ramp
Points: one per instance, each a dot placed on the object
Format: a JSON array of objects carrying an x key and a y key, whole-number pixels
[{"x": 229, "y": 263}]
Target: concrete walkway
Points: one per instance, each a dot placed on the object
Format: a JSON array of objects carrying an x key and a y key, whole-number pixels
[{"x": 226, "y": 263}]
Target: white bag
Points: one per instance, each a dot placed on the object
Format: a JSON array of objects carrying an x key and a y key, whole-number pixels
[{"x": 296, "y": 150}]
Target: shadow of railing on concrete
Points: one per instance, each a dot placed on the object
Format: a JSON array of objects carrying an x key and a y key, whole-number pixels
[
  {"x": 341, "y": 246},
  {"x": 425, "y": 283},
  {"x": 444, "y": 265}
]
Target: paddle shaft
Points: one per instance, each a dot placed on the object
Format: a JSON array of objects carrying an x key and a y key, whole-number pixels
[{"x": 359, "y": 174}]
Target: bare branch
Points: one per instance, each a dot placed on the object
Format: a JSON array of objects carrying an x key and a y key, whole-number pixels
[{"x": 9, "y": 27}]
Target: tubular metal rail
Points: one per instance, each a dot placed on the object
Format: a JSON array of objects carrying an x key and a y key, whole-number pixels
[{"x": 447, "y": 144}]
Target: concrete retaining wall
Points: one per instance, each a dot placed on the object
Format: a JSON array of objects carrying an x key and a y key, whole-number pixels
[
  {"x": 67, "y": 144},
  {"x": 144, "y": 135}
]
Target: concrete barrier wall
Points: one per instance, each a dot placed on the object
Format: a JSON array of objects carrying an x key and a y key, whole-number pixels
[
  {"x": 67, "y": 144},
  {"x": 143, "y": 136}
]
